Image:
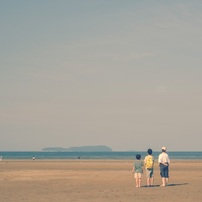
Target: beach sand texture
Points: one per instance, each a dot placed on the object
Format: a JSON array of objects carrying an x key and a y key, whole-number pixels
[{"x": 95, "y": 180}]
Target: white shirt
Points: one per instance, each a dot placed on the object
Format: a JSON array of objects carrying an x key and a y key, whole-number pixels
[{"x": 163, "y": 158}]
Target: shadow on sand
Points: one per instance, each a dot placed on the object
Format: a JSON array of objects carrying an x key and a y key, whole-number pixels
[
  {"x": 169, "y": 185},
  {"x": 172, "y": 185}
]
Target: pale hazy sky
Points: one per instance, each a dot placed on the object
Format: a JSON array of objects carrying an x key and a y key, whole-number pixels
[{"x": 121, "y": 73}]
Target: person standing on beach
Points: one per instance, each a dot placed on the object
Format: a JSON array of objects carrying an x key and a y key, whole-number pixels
[
  {"x": 164, "y": 163},
  {"x": 137, "y": 170},
  {"x": 149, "y": 168}
]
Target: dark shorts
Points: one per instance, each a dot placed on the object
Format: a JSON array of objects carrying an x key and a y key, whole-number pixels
[
  {"x": 149, "y": 173},
  {"x": 164, "y": 171}
]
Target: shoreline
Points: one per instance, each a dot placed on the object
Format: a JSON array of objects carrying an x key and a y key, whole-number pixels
[{"x": 90, "y": 160}]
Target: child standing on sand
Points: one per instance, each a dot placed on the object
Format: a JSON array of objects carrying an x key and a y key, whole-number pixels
[
  {"x": 137, "y": 170},
  {"x": 149, "y": 167}
]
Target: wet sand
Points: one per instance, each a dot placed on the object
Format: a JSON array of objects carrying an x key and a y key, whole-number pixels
[{"x": 95, "y": 180}]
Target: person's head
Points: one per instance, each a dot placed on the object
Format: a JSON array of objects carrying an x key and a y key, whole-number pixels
[
  {"x": 138, "y": 156},
  {"x": 149, "y": 151},
  {"x": 164, "y": 149}
]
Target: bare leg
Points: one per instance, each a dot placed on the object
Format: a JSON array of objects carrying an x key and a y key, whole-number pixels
[
  {"x": 152, "y": 181},
  {"x": 148, "y": 181},
  {"x": 139, "y": 182},
  {"x": 166, "y": 182},
  {"x": 163, "y": 182}
]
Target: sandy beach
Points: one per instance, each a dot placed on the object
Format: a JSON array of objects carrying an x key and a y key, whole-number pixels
[{"x": 95, "y": 180}]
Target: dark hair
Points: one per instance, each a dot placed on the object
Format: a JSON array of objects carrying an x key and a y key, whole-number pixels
[
  {"x": 149, "y": 151},
  {"x": 138, "y": 156}
]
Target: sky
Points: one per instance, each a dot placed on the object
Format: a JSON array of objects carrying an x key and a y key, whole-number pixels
[{"x": 121, "y": 73}]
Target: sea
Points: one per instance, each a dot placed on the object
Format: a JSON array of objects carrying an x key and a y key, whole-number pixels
[{"x": 114, "y": 155}]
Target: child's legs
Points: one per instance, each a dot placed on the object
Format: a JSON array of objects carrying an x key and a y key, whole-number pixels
[
  {"x": 139, "y": 182},
  {"x": 149, "y": 182},
  {"x": 149, "y": 174},
  {"x": 152, "y": 180},
  {"x": 138, "y": 179}
]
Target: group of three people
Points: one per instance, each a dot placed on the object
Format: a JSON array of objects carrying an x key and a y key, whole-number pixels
[{"x": 163, "y": 160}]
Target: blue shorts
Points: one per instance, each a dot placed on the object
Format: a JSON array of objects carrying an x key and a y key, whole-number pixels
[{"x": 164, "y": 171}]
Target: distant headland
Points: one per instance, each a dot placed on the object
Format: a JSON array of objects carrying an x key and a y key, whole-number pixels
[{"x": 97, "y": 148}]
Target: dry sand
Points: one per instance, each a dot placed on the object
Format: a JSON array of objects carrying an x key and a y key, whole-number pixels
[{"x": 96, "y": 180}]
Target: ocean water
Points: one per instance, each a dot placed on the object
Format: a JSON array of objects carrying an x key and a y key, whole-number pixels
[{"x": 94, "y": 155}]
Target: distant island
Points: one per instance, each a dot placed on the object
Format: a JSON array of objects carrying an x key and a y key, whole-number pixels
[{"x": 97, "y": 148}]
